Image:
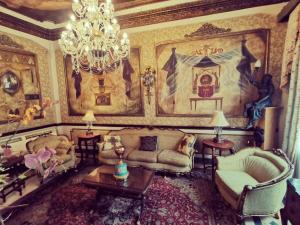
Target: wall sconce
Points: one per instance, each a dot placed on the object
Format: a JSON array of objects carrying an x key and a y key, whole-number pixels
[{"x": 148, "y": 79}]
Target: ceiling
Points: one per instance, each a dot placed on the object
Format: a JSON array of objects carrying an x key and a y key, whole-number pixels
[{"x": 58, "y": 11}]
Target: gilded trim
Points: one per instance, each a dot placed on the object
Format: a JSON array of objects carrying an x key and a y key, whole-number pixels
[
  {"x": 177, "y": 12},
  {"x": 9, "y": 42},
  {"x": 208, "y": 29}
]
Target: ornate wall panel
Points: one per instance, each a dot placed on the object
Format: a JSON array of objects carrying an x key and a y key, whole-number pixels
[
  {"x": 149, "y": 39},
  {"x": 211, "y": 71},
  {"x": 41, "y": 59},
  {"x": 108, "y": 93}
]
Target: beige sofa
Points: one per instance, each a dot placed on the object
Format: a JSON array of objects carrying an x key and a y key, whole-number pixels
[
  {"x": 253, "y": 181},
  {"x": 165, "y": 158},
  {"x": 64, "y": 148}
]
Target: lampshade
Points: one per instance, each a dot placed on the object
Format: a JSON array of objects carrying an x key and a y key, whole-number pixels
[
  {"x": 89, "y": 116},
  {"x": 218, "y": 120}
]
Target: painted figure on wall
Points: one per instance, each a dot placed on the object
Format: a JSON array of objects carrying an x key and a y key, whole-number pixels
[
  {"x": 254, "y": 110},
  {"x": 19, "y": 82},
  {"x": 113, "y": 92},
  {"x": 194, "y": 82}
]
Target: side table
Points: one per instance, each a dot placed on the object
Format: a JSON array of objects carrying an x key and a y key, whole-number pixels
[
  {"x": 290, "y": 212},
  {"x": 88, "y": 145},
  {"x": 226, "y": 145}
]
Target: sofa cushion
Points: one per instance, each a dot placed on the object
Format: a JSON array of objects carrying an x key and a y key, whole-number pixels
[
  {"x": 51, "y": 143},
  {"x": 234, "y": 181},
  {"x": 65, "y": 144},
  {"x": 130, "y": 140},
  {"x": 63, "y": 158},
  {"x": 110, "y": 154},
  {"x": 111, "y": 141},
  {"x": 61, "y": 151},
  {"x": 261, "y": 169},
  {"x": 174, "y": 158},
  {"x": 144, "y": 156},
  {"x": 186, "y": 145},
  {"x": 148, "y": 143}
]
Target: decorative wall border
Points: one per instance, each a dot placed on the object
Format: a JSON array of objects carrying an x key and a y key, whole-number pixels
[
  {"x": 123, "y": 125},
  {"x": 167, "y": 14}
]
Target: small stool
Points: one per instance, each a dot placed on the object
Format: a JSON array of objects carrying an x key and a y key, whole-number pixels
[{"x": 226, "y": 145}]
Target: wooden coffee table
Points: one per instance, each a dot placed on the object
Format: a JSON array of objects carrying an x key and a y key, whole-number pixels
[{"x": 134, "y": 187}]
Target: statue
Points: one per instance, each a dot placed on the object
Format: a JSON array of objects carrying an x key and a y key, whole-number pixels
[{"x": 254, "y": 110}]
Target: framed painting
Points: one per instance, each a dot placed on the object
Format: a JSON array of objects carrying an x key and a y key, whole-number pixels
[
  {"x": 19, "y": 82},
  {"x": 111, "y": 93},
  {"x": 200, "y": 74}
]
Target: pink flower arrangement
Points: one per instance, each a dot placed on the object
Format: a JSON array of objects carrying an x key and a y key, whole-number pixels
[{"x": 43, "y": 161}]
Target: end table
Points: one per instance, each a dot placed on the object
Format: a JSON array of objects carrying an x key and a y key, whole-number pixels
[
  {"x": 88, "y": 144},
  {"x": 226, "y": 145}
]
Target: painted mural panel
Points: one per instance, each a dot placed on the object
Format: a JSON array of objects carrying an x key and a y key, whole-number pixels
[
  {"x": 19, "y": 82},
  {"x": 199, "y": 75},
  {"x": 113, "y": 93}
]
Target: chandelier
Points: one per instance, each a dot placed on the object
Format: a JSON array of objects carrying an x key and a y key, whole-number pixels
[{"x": 92, "y": 38}]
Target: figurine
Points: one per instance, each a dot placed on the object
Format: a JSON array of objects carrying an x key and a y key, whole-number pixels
[{"x": 254, "y": 110}]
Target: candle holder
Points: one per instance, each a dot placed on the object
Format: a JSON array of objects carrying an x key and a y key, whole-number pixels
[{"x": 148, "y": 78}]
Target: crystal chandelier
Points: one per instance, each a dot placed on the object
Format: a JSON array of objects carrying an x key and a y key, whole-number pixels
[{"x": 92, "y": 38}]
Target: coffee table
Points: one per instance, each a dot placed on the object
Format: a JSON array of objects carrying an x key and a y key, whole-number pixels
[{"x": 134, "y": 187}]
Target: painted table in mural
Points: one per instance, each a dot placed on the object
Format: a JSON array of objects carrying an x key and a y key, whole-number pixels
[
  {"x": 134, "y": 187},
  {"x": 218, "y": 101}
]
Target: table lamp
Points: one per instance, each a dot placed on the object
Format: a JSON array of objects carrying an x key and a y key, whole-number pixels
[
  {"x": 89, "y": 118},
  {"x": 218, "y": 121}
]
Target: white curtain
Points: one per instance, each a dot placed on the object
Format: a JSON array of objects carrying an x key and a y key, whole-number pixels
[
  {"x": 291, "y": 141},
  {"x": 291, "y": 77}
]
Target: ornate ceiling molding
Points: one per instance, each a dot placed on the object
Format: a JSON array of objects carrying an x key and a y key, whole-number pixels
[
  {"x": 208, "y": 29},
  {"x": 177, "y": 12},
  {"x": 189, "y": 10},
  {"x": 8, "y": 42}
]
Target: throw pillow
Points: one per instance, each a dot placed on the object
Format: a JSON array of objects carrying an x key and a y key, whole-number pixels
[
  {"x": 111, "y": 141},
  {"x": 61, "y": 151},
  {"x": 65, "y": 144},
  {"x": 148, "y": 143},
  {"x": 186, "y": 145}
]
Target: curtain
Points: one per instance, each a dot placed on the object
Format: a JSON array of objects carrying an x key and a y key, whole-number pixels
[
  {"x": 290, "y": 44},
  {"x": 291, "y": 141},
  {"x": 290, "y": 79}
]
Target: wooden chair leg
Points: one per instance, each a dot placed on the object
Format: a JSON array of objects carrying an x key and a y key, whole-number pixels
[
  {"x": 240, "y": 220},
  {"x": 283, "y": 217},
  {"x": 276, "y": 216}
]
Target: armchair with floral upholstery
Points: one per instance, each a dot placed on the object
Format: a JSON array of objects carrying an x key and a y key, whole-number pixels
[
  {"x": 254, "y": 181},
  {"x": 65, "y": 150}
]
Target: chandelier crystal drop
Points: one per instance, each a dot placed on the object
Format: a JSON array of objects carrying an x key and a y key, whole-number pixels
[{"x": 92, "y": 38}]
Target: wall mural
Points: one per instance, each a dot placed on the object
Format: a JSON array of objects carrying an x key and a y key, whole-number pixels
[
  {"x": 113, "y": 93},
  {"x": 19, "y": 80},
  {"x": 211, "y": 69}
]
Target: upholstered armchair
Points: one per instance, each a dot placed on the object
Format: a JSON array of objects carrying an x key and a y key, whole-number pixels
[
  {"x": 254, "y": 181},
  {"x": 65, "y": 151}
]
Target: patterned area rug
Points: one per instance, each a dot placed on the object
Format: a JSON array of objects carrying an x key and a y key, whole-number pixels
[{"x": 170, "y": 200}]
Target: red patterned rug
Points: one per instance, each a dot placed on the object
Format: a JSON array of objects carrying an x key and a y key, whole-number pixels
[
  {"x": 165, "y": 204},
  {"x": 180, "y": 201}
]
